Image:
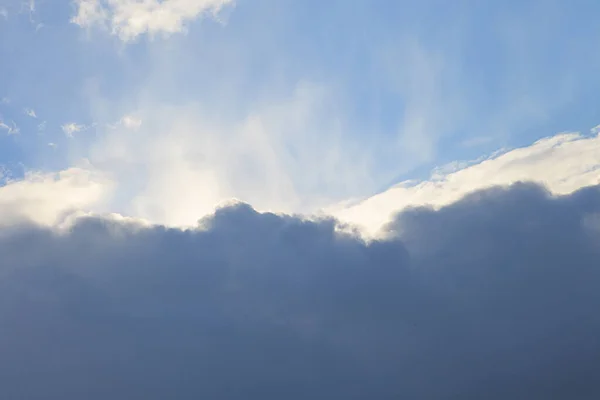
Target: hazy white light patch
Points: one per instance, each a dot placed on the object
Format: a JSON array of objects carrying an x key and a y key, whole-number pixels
[
  {"x": 11, "y": 129},
  {"x": 4, "y": 13},
  {"x": 70, "y": 128},
  {"x": 131, "y": 122},
  {"x": 53, "y": 145},
  {"x": 42, "y": 126},
  {"x": 287, "y": 155},
  {"x": 5, "y": 100},
  {"x": 129, "y": 19},
  {"x": 563, "y": 163},
  {"x": 46, "y": 198},
  {"x": 30, "y": 112},
  {"x": 30, "y": 6}
]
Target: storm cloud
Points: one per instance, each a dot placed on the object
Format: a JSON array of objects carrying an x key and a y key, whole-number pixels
[{"x": 494, "y": 296}]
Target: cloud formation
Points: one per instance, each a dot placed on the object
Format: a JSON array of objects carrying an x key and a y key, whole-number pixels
[
  {"x": 493, "y": 297},
  {"x": 70, "y": 128},
  {"x": 563, "y": 163},
  {"x": 48, "y": 198},
  {"x": 11, "y": 129},
  {"x": 131, "y": 122},
  {"x": 30, "y": 112},
  {"x": 129, "y": 19}
]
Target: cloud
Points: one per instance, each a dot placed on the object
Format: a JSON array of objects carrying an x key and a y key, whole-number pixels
[
  {"x": 42, "y": 126},
  {"x": 3, "y": 13},
  {"x": 70, "y": 128},
  {"x": 30, "y": 112},
  {"x": 127, "y": 121},
  {"x": 11, "y": 129},
  {"x": 563, "y": 163},
  {"x": 129, "y": 19},
  {"x": 47, "y": 198},
  {"x": 131, "y": 122},
  {"x": 5, "y": 100},
  {"x": 493, "y": 297},
  {"x": 29, "y": 5}
]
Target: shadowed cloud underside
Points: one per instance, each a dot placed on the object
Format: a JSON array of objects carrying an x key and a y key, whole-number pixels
[{"x": 494, "y": 296}]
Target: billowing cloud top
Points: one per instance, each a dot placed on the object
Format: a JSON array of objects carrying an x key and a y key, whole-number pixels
[{"x": 493, "y": 297}]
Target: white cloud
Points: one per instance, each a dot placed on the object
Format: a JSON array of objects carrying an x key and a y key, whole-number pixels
[
  {"x": 131, "y": 122},
  {"x": 4, "y": 13},
  {"x": 5, "y": 100},
  {"x": 46, "y": 198},
  {"x": 42, "y": 126},
  {"x": 129, "y": 19},
  {"x": 30, "y": 112},
  {"x": 11, "y": 129},
  {"x": 70, "y": 128},
  {"x": 563, "y": 163}
]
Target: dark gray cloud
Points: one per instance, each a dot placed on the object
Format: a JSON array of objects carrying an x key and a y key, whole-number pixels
[{"x": 494, "y": 297}]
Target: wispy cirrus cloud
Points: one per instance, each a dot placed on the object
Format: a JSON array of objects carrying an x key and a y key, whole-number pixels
[
  {"x": 129, "y": 19},
  {"x": 11, "y": 128}
]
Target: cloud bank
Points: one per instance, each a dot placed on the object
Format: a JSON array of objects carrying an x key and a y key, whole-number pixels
[
  {"x": 563, "y": 163},
  {"x": 494, "y": 296},
  {"x": 129, "y": 19}
]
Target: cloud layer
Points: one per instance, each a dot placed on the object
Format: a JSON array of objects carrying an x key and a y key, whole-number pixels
[
  {"x": 563, "y": 163},
  {"x": 494, "y": 296}
]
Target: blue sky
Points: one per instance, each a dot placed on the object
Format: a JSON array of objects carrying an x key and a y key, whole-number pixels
[{"x": 288, "y": 105}]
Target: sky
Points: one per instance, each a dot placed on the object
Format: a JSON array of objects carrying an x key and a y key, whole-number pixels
[
  {"x": 267, "y": 199},
  {"x": 290, "y": 106}
]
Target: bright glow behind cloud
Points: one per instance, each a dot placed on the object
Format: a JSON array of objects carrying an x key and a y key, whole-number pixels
[
  {"x": 563, "y": 163},
  {"x": 129, "y": 19},
  {"x": 289, "y": 155}
]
